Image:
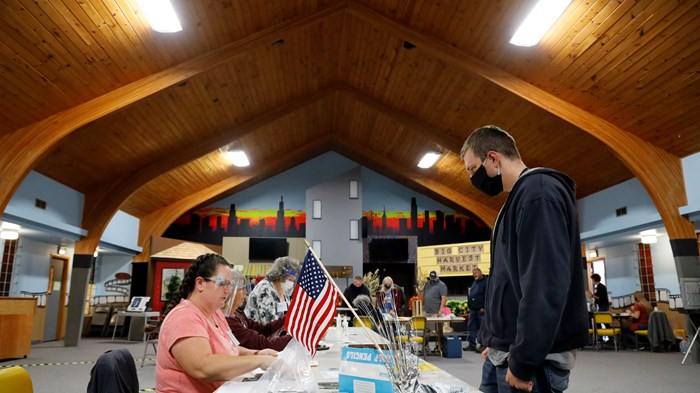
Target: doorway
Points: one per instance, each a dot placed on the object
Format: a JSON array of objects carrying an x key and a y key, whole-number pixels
[{"x": 55, "y": 323}]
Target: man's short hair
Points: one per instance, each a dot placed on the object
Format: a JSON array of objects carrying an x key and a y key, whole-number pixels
[
  {"x": 490, "y": 138},
  {"x": 595, "y": 277},
  {"x": 359, "y": 278},
  {"x": 476, "y": 268}
]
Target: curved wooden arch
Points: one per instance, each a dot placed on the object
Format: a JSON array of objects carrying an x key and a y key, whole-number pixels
[
  {"x": 430, "y": 187},
  {"x": 25, "y": 147},
  {"x": 157, "y": 222},
  {"x": 660, "y": 172},
  {"x": 101, "y": 205}
]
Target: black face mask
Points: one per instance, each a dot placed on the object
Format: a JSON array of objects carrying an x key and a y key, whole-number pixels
[
  {"x": 387, "y": 286},
  {"x": 490, "y": 186}
]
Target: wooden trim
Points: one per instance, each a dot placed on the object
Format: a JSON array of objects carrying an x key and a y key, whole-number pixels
[{"x": 61, "y": 323}]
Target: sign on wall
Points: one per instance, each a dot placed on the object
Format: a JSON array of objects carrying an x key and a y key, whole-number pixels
[{"x": 454, "y": 259}]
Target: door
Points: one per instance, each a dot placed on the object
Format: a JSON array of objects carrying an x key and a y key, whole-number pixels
[{"x": 56, "y": 298}]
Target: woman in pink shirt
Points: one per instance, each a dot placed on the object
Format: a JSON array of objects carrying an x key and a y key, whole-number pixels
[{"x": 196, "y": 350}]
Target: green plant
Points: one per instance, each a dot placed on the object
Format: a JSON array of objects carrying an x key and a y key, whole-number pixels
[{"x": 458, "y": 307}]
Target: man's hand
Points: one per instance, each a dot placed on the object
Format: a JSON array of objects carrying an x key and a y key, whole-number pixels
[
  {"x": 518, "y": 383},
  {"x": 484, "y": 354}
]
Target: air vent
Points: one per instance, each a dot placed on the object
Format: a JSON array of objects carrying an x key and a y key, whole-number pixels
[
  {"x": 40, "y": 204},
  {"x": 621, "y": 211}
]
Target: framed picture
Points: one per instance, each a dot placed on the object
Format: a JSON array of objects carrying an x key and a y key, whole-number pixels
[
  {"x": 170, "y": 276},
  {"x": 354, "y": 189}
]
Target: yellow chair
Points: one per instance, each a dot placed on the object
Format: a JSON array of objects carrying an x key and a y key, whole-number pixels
[
  {"x": 15, "y": 380},
  {"x": 638, "y": 334},
  {"x": 605, "y": 319},
  {"x": 367, "y": 321}
]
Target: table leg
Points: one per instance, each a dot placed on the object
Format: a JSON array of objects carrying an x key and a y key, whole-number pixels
[
  {"x": 690, "y": 347},
  {"x": 116, "y": 322}
]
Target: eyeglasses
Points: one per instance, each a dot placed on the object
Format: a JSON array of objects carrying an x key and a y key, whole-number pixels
[{"x": 223, "y": 283}]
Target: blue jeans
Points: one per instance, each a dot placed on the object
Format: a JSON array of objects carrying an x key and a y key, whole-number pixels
[
  {"x": 473, "y": 326},
  {"x": 548, "y": 378}
]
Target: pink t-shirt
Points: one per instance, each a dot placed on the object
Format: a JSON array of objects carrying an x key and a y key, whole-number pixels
[{"x": 186, "y": 320}]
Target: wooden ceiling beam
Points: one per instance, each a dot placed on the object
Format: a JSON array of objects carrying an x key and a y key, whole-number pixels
[
  {"x": 25, "y": 147},
  {"x": 158, "y": 221},
  {"x": 424, "y": 184},
  {"x": 405, "y": 119},
  {"x": 103, "y": 203},
  {"x": 659, "y": 171}
]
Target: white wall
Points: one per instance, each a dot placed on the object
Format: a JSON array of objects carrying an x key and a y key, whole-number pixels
[
  {"x": 665, "y": 275},
  {"x": 621, "y": 269},
  {"x": 106, "y": 267},
  {"x": 31, "y": 267}
]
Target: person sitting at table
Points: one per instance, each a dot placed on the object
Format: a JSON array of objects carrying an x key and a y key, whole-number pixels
[
  {"x": 252, "y": 334},
  {"x": 390, "y": 298},
  {"x": 639, "y": 317},
  {"x": 196, "y": 350},
  {"x": 271, "y": 296}
]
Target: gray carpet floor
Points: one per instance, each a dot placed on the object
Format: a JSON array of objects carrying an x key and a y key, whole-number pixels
[{"x": 58, "y": 369}]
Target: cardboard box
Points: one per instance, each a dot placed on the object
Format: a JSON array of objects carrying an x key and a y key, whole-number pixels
[{"x": 362, "y": 370}]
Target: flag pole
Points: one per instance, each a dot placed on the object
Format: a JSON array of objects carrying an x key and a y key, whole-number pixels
[{"x": 342, "y": 295}]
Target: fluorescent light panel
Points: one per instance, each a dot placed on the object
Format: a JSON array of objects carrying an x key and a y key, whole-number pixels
[
  {"x": 238, "y": 158},
  {"x": 428, "y": 160},
  {"x": 9, "y": 235},
  {"x": 160, "y": 15},
  {"x": 10, "y": 226},
  {"x": 538, "y": 22}
]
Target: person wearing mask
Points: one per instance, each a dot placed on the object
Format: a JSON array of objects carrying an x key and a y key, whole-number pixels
[
  {"x": 600, "y": 294},
  {"x": 271, "y": 296},
  {"x": 390, "y": 298},
  {"x": 249, "y": 333},
  {"x": 531, "y": 330},
  {"x": 196, "y": 350},
  {"x": 477, "y": 297}
]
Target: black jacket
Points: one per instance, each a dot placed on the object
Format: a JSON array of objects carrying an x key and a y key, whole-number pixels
[
  {"x": 535, "y": 301},
  {"x": 477, "y": 294},
  {"x": 351, "y": 292}
]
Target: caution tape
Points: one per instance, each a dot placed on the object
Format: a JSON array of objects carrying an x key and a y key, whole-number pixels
[{"x": 58, "y": 363}]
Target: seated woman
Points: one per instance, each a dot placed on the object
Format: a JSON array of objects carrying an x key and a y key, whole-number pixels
[
  {"x": 271, "y": 296},
  {"x": 639, "y": 317},
  {"x": 196, "y": 350},
  {"x": 251, "y": 334}
]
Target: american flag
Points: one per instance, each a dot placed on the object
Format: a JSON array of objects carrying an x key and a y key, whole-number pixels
[{"x": 313, "y": 305}]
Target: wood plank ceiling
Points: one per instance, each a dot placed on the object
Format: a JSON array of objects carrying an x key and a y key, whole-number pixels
[{"x": 381, "y": 81}]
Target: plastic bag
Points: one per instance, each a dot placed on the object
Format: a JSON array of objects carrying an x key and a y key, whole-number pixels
[{"x": 291, "y": 372}]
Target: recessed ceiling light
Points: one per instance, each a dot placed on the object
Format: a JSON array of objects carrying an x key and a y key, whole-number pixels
[
  {"x": 428, "y": 160},
  {"x": 538, "y": 22},
  {"x": 238, "y": 158},
  {"x": 160, "y": 15},
  {"x": 10, "y": 226}
]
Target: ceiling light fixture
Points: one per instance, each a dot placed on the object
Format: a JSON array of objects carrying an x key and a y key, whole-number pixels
[
  {"x": 428, "y": 160},
  {"x": 648, "y": 236},
  {"x": 592, "y": 254},
  {"x": 9, "y": 235},
  {"x": 10, "y": 226},
  {"x": 160, "y": 15},
  {"x": 237, "y": 158},
  {"x": 538, "y": 22}
]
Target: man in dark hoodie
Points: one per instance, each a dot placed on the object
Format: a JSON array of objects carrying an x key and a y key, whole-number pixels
[{"x": 535, "y": 306}]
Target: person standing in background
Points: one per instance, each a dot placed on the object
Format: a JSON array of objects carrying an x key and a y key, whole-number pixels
[
  {"x": 600, "y": 294},
  {"x": 434, "y": 296},
  {"x": 535, "y": 305},
  {"x": 477, "y": 297}
]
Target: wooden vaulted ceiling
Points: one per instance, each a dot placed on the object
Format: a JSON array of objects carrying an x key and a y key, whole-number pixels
[{"x": 94, "y": 99}]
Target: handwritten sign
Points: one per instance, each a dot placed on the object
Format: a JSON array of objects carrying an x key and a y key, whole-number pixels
[{"x": 454, "y": 259}]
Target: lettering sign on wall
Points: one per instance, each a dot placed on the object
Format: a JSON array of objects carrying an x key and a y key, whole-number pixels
[{"x": 454, "y": 259}]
